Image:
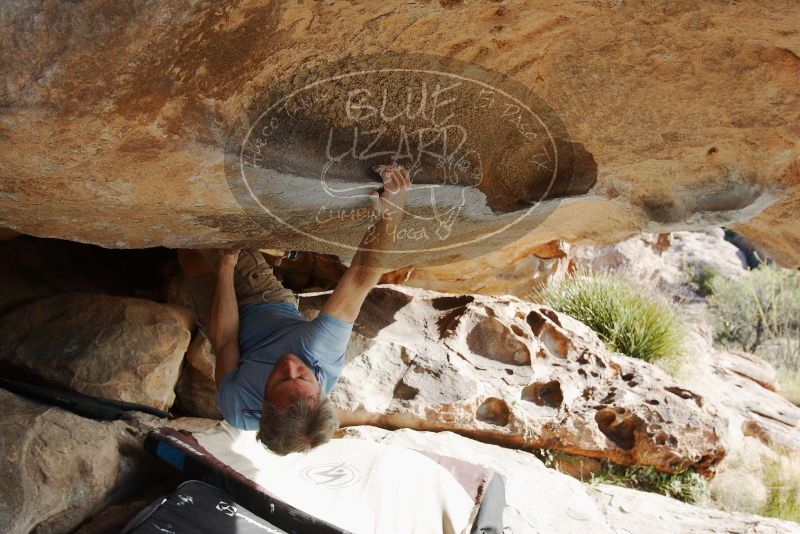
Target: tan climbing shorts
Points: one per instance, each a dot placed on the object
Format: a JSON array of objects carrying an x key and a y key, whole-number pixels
[{"x": 253, "y": 281}]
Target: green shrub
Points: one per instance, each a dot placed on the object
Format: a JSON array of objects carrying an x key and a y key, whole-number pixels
[
  {"x": 701, "y": 280},
  {"x": 760, "y": 313},
  {"x": 687, "y": 486},
  {"x": 629, "y": 318}
]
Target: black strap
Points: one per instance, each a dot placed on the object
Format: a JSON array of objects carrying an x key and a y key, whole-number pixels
[{"x": 84, "y": 405}]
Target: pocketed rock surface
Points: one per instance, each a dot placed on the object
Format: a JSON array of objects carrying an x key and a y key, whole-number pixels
[{"x": 504, "y": 371}]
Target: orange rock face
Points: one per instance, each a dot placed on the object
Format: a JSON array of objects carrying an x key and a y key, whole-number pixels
[{"x": 115, "y": 118}]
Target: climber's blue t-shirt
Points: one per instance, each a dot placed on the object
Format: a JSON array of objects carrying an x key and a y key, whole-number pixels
[{"x": 267, "y": 332}]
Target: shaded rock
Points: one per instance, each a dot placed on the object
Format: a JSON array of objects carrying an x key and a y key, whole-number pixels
[
  {"x": 7, "y": 233},
  {"x": 58, "y": 468},
  {"x": 195, "y": 393},
  {"x": 308, "y": 270},
  {"x": 120, "y": 348},
  {"x": 110, "y": 128},
  {"x": 578, "y": 467},
  {"x": 509, "y": 372},
  {"x": 113, "y": 518},
  {"x": 33, "y": 268}
]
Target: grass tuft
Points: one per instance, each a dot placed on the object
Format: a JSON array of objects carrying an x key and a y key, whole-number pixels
[
  {"x": 629, "y": 318},
  {"x": 782, "y": 479},
  {"x": 701, "y": 280},
  {"x": 687, "y": 486}
]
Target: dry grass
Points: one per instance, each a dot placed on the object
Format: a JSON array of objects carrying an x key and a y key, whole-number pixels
[
  {"x": 782, "y": 480},
  {"x": 763, "y": 484}
]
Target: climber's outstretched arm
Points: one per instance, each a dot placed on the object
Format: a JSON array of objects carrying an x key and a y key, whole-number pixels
[
  {"x": 367, "y": 267},
  {"x": 223, "y": 324}
]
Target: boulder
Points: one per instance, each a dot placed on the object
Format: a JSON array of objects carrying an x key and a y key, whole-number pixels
[
  {"x": 669, "y": 267},
  {"x": 196, "y": 391},
  {"x": 671, "y": 117},
  {"x": 509, "y": 372},
  {"x": 742, "y": 388},
  {"x": 748, "y": 366},
  {"x": 762, "y": 428},
  {"x": 638, "y": 512},
  {"x": 543, "y": 500},
  {"x": 120, "y": 348},
  {"x": 58, "y": 468}
]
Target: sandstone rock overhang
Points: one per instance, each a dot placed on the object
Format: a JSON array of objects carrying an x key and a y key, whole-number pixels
[{"x": 114, "y": 118}]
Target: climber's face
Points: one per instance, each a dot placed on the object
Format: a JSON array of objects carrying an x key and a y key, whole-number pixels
[{"x": 289, "y": 379}]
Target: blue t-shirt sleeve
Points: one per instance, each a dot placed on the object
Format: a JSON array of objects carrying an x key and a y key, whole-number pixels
[{"x": 326, "y": 337}]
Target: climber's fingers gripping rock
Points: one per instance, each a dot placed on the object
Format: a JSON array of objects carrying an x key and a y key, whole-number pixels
[{"x": 396, "y": 184}]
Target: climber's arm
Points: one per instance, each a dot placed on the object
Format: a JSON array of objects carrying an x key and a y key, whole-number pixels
[
  {"x": 367, "y": 266},
  {"x": 223, "y": 327}
]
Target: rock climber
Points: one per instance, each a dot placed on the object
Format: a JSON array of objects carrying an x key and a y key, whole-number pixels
[{"x": 274, "y": 368}]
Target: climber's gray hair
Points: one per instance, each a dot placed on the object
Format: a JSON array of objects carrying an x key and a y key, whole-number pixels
[{"x": 299, "y": 427}]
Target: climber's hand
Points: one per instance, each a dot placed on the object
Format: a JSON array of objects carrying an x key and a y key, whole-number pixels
[
  {"x": 228, "y": 259},
  {"x": 396, "y": 184}
]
